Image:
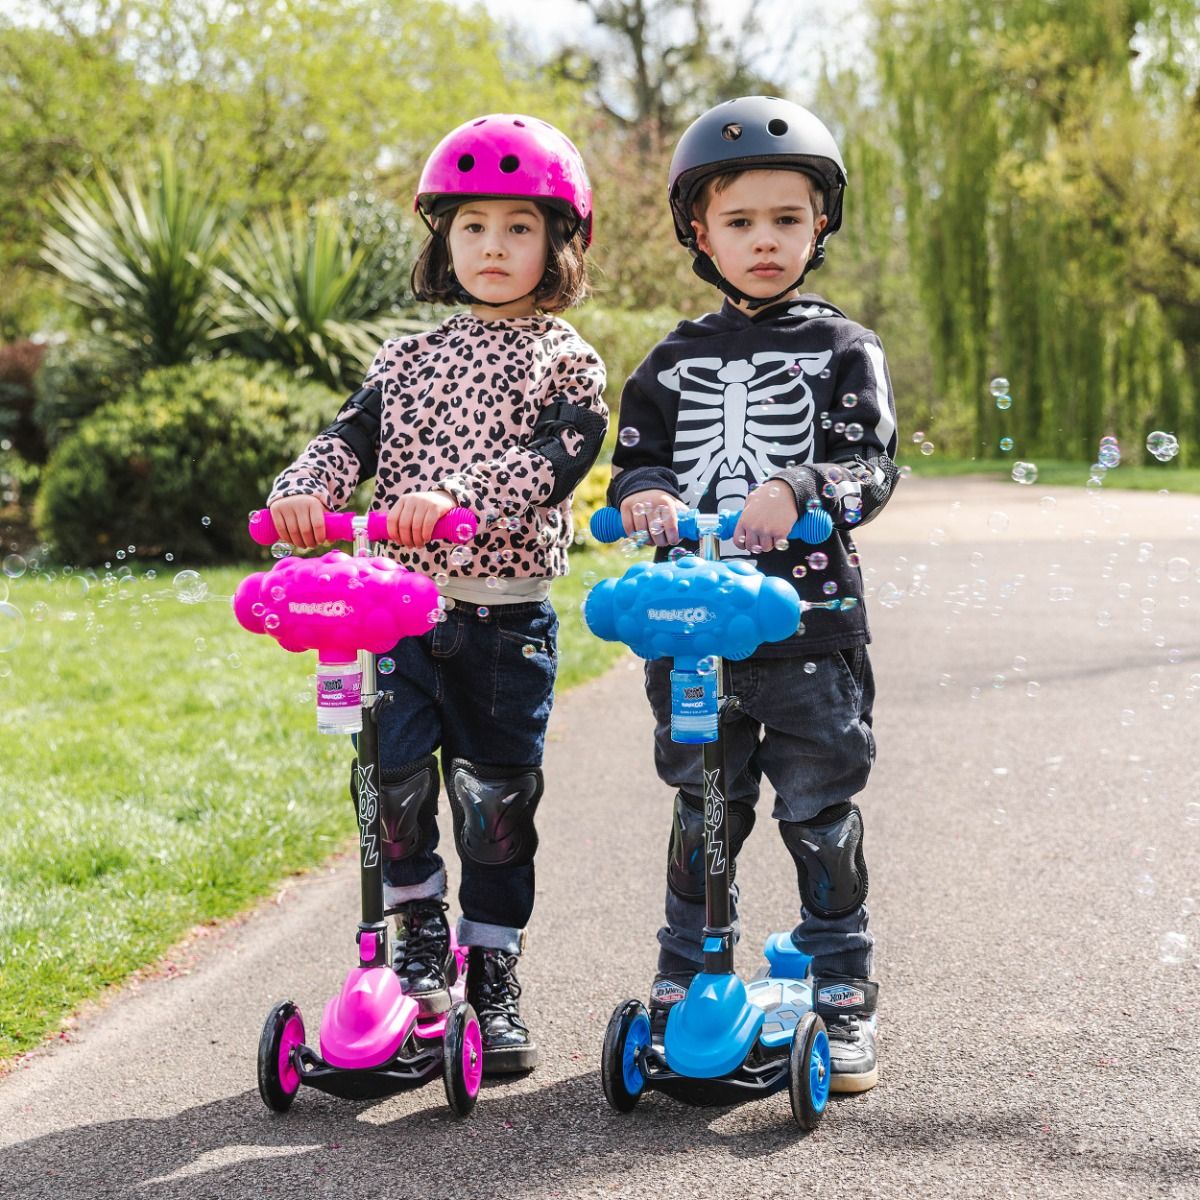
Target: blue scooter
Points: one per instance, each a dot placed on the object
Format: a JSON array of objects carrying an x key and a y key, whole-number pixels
[{"x": 727, "y": 1041}]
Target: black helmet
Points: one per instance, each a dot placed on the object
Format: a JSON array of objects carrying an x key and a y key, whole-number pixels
[{"x": 754, "y": 133}]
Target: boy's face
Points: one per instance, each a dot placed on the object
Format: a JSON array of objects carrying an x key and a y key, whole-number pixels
[
  {"x": 498, "y": 248},
  {"x": 761, "y": 230}
]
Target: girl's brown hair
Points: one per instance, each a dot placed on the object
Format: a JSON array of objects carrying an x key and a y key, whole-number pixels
[{"x": 563, "y": 284}]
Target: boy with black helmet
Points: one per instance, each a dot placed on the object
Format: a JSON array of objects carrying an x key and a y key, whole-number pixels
[{"x": 774, "y": 405}]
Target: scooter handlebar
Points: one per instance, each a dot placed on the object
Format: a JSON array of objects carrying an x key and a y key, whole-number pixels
[
  {"x": 814, "y": 527},
  {"x": 458, "y": 525}
]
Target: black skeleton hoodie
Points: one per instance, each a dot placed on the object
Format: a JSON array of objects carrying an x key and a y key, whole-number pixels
[{"x": 797, "y": 393}]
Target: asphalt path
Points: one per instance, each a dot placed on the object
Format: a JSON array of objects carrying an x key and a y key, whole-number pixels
[{"x": 1033, "y": 835}]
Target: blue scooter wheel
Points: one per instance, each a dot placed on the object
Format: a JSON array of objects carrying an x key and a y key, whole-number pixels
[
  {"x": 627, "y": 1035},
  {"x": 808, "y": 1074}
]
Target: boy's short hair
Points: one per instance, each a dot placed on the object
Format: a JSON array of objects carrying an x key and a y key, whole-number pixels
[
  {"x": 715, "y": 184},
  {"x": 564, "y": 283}
]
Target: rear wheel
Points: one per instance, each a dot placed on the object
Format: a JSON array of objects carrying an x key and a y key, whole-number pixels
[
  {"x": 628, "y": 1034},
  {"x": 278, "y": 1074},
  {"x": 808, "y": 1071},
  {"x": 462, "y": 1058}
]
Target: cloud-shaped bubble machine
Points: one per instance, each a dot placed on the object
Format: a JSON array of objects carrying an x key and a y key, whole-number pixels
[
  {"x": 337, "y": 604},
  {"x": 691, "y": 608}
]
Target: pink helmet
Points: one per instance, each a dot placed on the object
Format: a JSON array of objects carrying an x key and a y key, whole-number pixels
[{"x": 507, "y": 155}]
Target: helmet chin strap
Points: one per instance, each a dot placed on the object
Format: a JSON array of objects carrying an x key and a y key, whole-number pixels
[{"x": 706, "y": 269}]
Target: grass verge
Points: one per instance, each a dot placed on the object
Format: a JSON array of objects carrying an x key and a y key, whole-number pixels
[{"x": 161, "y": 770}]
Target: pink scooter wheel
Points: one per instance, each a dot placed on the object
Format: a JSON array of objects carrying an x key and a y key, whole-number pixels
[
  {"x": 462, "y": 1058},
  {"x": 278, "y": 1076}
]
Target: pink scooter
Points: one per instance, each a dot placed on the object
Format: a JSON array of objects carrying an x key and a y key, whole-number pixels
[{"x": 373, "y": 1041}]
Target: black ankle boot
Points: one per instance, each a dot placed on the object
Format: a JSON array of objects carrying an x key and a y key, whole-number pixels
[
  {"x": 493, "y": 991},
  {"x": 423, "y": 959}
]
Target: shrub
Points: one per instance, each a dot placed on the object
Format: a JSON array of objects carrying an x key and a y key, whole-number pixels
[
  {"x": 78, "y": 375},
  {"x": 177, "y": 462},
  {"x": 19, "y": 363}
]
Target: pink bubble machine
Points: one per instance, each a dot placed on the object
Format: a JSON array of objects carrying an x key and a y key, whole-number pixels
[{"x": 339, "y": 604}]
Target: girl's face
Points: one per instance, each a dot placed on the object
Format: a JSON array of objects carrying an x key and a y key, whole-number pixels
[
  {"x": 498, "y": 251},
  {"x": 761, "y": 230}
]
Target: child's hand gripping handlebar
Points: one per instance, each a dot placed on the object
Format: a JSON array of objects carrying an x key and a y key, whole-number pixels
[
  {"x": 458, "y": 525},
  {"x": 814, "y": 527},
  {"x": 337, "y": 604}
]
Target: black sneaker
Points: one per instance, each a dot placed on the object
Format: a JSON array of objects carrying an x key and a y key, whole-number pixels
[
  {"x": 668, "y": 988},
  {"x": 847, "y": 1005},
  {"x": 422, "y": 956},
  {"x": 493, "y": 991}
]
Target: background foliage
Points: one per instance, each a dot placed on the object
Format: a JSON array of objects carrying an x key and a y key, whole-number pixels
[{"x": 185, "y": 182}]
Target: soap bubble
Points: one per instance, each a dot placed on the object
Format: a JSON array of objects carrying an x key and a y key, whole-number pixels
[
  {"x": 854, "y": 432},
  {"x": 1004, "y": 402},
  {"x": 280, "y": 550},
  {"x": 830, "y": 588},
  {"x": 927, "y": 448},
  {"x": 461, "y": 555},
  {"x": 999, "y": 385},
  {"x": 484, "y": 611},
  {"x": 1006, "y": 444},
  {"x": 14, "y": 566},
  {"x": 1164, "y": 446},
  {"x": 818, "y": 560},
  {"x": 810, "y": 668},
  {"x": 629, "y": 436},
  {"x": 12, "y": 627},
  {"x": 206, "y": 521},
  {"x": 1025, "y": 473},
  {"x": 189, "y": 587},
  {"x": 1172, "y": 949},
  {"x": 1177, "y": 570},
  {"x": 849, "y": 400},
  {"x": 706, "y": 666},
  {"x": 529, "y": 650},
  {"x": 386, "y": 665},
  {"x": 799, "y": 571},
  {"x": 918, "y": 437}
]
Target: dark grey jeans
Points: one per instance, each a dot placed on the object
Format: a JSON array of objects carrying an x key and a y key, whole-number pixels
[{"x": 809, "y": 733}]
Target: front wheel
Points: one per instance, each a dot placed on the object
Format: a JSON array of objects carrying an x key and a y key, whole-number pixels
[
  {"x": 462, "y": 1058},
  {"x": 808, "y": 1071},
  {"x": 628, "y": 1034},
  {"x": 278, "y": 1075}
]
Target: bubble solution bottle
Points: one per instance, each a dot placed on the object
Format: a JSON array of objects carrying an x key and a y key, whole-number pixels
[
  {"x": 694, "y": 703},
  {"x": 339, "y": 696}
]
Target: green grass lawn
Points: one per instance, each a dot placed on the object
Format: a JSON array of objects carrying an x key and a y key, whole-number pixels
[
  {"x": 1055, "y": 473},
  {"x": 161, "y": 769}
]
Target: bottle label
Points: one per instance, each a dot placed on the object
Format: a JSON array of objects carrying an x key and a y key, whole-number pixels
[
  {"x": 693, "y": 706},
  {"x": 340, "y": 690}
]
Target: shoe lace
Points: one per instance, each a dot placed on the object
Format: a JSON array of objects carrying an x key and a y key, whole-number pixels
[
  {"x": 844, "y": 1028},
  {"x": 424, "y": 939},
  {"x": 499, "y": 990}
]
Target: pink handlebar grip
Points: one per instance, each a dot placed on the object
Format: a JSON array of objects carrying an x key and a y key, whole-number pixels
[{"x": 458, "y": 525}]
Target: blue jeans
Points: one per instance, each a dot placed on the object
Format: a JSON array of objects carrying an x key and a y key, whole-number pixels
[
  {"x": 810, "y": 734},
  {"x": 479, "y": 685}
]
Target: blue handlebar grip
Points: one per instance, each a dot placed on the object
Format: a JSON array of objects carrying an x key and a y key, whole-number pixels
[
  {"x": 606, "y": 525},
  {"x": 814, "y": 527}
]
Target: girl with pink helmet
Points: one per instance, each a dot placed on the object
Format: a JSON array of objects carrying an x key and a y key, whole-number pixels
[{"x": 498, "y": 409}]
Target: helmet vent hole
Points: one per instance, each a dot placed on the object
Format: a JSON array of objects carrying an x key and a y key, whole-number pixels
[
  {"x": 520, "y": 123},
  {"x": 466, "y": 162},
  {"x": 480, "y": 121},
  {"x": 509, "y": 163},
  {"x": 777, "y": 127},
  {"x": 732, "y": 132}
]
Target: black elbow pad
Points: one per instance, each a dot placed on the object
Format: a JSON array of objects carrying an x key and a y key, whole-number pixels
[
  {"x": 358, "y": 427},
  {"x": 553, "y": 421}
]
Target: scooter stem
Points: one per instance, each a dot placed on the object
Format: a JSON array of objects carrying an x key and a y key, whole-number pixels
[{"x": 718, "y": 927}]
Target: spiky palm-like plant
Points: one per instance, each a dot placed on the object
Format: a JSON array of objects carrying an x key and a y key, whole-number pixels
[
  {"x": 303, "y": 291},
  {"x": 138, "y": 255}
]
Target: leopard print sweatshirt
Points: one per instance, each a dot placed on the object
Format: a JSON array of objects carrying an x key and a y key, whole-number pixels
[{"x": 506, "y": 415}]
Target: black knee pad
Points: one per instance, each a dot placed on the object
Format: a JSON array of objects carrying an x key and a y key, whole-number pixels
[
  {"x": 829, "y": 859},
  {"x": 685, "y": 854},
  {"x": 493, "y": 811},
  {"x": 407, "y": 805}
]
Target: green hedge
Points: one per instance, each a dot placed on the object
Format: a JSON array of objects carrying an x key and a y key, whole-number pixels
[{"x": 176, "y": 463}]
